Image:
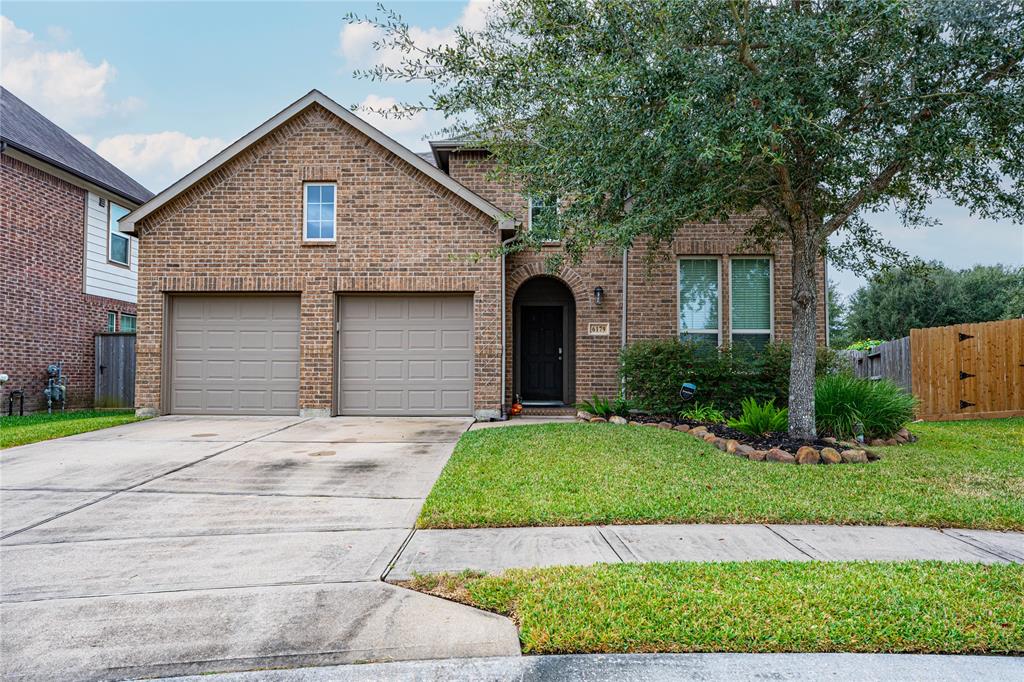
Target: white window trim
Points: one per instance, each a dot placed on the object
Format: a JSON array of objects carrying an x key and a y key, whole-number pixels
[
  {"x": 111, "y": 321},
  {"x": 771, "y": 298},
  {"x": 120, "y": 322},
  {"x": 529, "y": 216},
  {"x": 112, "y": 231},
  {"x": 679, "y": 328},
  {"x": 305, "y": 209}
]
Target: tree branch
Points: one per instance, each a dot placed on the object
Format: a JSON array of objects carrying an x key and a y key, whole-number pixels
[{"x": 878, "y": 184}]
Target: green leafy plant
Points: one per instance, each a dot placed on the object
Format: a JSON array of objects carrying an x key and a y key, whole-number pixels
[
  {"x": 622, "y": 406},
  {"x": 597, "y": 406},
  {"x": 760, "y": 418},
  {"x": 846, "y": 406},
  {"x": 699, "y": 412},
  {"x": 864, "y": 344},
  {"x": 602, "y": 407}
]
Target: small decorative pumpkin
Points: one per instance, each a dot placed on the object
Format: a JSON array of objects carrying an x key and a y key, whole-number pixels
[{"x": 516, "y": 409}]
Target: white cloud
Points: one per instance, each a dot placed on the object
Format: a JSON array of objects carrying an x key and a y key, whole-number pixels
[
  {"x": 408, "y": 130},
  {"x": 355, "y": 42},
  {"x": 157, "y": 159},
  {"x": 64, "y": 85}
]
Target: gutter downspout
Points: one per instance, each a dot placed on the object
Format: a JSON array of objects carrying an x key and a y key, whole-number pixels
[
  {"x": 503, "y": 413},
  {"x": 625, "y": 309}
]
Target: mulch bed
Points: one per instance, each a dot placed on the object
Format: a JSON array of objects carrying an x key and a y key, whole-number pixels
[{"x": 767, "y": 441}]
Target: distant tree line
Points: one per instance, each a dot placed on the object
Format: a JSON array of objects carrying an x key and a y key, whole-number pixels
[{"x": 896, "y": 301}]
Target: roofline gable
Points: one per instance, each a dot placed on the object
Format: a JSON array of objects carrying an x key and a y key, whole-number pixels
[{"x": 127, "y": 224}]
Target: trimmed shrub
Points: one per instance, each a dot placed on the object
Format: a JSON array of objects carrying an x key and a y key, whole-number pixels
[
  {"x": 843, "y": 403},
  {"x": 653, "y": 371},
  {"x": 759, "y": 419}
]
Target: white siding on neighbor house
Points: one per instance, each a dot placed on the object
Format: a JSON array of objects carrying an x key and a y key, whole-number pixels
[{"x": 103, "y": 278}]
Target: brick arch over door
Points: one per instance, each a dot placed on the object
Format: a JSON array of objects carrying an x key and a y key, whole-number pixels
[{"x": 565, "y": 275}]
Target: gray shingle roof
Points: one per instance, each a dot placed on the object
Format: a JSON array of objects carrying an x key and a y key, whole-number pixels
[{"x": 28, "y": 131}]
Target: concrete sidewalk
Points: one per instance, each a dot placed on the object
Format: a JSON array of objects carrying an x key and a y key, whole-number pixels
[
  {"x": 654, "y": 667},
  {"x": 492, "y": 550}
]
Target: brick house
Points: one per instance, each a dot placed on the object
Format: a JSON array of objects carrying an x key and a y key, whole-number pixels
[
  {"x": 68, "y": 272},
  {"x": 318, "y": 267}
]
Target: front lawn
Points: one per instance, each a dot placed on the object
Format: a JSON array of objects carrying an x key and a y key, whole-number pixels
[
  {"x": 769, "y": 606},
  {"x": 966, "y": 474},
  {"x": 42, "y": 426}
]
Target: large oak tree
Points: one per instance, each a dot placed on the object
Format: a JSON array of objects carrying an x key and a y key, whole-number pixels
[{"x": 646, "y": 114}]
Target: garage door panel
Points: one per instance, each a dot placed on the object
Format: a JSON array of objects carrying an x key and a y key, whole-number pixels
[
  {"x": 457, "y": 309},
  {"x": 235, "y": 355},
  {"x": 405, "y": 355},
  {"x": 455, "y": 400},
  {"x": 455, "y": 339}
]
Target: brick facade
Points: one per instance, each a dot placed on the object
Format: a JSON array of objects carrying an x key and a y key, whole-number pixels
[
  {"x": 45, "y": 316},
  {"x": 651, "y": 287},
  {"x": 239, "y": 230}
]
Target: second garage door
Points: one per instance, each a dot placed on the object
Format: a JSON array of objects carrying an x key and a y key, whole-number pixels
[
  {"x": 405, "y": 355},
  {"x": 235, "y": 355}
]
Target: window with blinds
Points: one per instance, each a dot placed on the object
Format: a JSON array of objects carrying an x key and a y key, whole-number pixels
[
  {"x": 750, "y": 298},
  {"x": 699, "y": 302}
]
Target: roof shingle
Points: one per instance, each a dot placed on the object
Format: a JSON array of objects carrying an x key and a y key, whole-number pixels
[{"x": 28, "y": 131}]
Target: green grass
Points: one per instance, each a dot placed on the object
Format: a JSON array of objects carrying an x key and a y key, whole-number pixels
[
  {"x": 770, "y": 606},
  {"x": 42, "y": 426},
  {"x": 966, "y": 474}
]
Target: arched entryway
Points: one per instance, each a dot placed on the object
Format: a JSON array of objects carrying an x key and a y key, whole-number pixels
[{"x": 544, "y": 337}]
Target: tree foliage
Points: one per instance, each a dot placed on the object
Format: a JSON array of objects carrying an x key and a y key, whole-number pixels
[
  {"x": 894, "y": 302},
  {"x": 647, "y": 114}
]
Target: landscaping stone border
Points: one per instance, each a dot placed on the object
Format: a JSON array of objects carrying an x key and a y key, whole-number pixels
[{"x": 833, "y": 452}]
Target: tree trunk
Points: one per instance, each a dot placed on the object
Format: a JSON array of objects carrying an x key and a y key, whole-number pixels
[{"x": 805, "y": 338}]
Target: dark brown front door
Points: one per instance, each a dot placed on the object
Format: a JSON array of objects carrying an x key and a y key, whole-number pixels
[{"x": 542, "y": 352}]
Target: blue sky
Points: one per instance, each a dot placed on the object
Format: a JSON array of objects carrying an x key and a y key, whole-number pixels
[{"x": 157, "y": 88}]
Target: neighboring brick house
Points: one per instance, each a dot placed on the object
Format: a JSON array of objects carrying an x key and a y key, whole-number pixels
[
  {"x": 318, "y": 267},
  {"x": 68, "y": 273}
]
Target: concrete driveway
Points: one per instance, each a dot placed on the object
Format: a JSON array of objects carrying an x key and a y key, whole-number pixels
[{"x": 197, "y": 544}]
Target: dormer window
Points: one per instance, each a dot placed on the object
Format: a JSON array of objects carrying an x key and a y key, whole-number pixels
[
  {"x": 542, "y": 220},
  {"x": 119, "y": 246},
  {"x": 319, "y": 209}
]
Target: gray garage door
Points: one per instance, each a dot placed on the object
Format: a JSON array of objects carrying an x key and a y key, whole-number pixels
[
  {"x": 235, "y": 355},
  {"x": 405, "y": 355}
]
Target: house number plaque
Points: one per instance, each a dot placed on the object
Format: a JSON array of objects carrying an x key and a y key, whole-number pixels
[{"x": 598, "y": 329}]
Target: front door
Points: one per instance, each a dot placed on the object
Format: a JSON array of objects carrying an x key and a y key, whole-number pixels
[{"x": 542, "y": 352}]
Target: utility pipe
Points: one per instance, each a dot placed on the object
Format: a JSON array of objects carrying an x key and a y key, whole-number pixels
[{"x": 503, "y": 414}]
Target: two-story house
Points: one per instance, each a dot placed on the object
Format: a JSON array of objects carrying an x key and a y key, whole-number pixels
[
  {"x": 68, "y": 272},
  {"x": 318, "y": 267}
]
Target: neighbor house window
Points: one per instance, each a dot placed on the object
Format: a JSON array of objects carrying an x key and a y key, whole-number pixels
[
  {"x": 120, "y": 251},
  {"x": 543, "y": 218},
  {"x": 699, "y": 300},
  {"x": 318, "y": 212},
  {"x": 750, "y": 298},
  {"x": 111, "y": 321},
  {"x": 128, "y": 323}
]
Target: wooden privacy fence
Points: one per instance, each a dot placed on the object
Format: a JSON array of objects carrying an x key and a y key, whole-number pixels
[
  {"x": 115, "y": 370},
  {"x": 969, "y": 371},
  {"x": 891, "y": 360}
]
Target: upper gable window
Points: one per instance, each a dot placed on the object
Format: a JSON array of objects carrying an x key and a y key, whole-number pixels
[
  {"x": 119, "y": 250},
  {"x": 543, "y": 218},
  {"x": 318, "y": 212}
]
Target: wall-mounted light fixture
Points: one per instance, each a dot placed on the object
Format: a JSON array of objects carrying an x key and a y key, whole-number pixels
[{"x": 598, "y": 295}]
